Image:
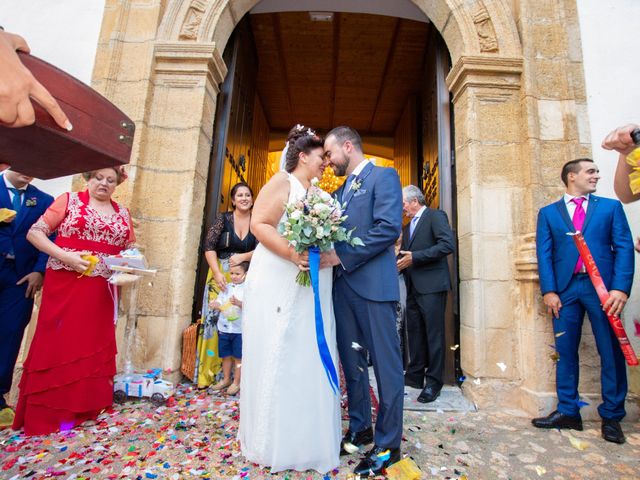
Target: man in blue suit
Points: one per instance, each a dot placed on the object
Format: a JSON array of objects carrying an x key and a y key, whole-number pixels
[
  {"x": 365, "y": 293},
  {"x": 21, "y": 271},
  {"x": 567, "y": 292}
]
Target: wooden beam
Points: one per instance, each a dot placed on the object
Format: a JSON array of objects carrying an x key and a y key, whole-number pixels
[
  {"x": 385, "y": 72},
  {"x": 277, "y": 31}
]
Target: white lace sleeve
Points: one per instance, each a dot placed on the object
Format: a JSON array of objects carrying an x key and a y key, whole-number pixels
[{"x": 41, "y": 226}]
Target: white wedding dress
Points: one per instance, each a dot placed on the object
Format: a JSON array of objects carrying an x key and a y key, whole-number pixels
[{"x": 289, "y": 415}]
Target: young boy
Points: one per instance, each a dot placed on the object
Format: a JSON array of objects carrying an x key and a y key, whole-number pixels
[{"x": 229, "y": 303}]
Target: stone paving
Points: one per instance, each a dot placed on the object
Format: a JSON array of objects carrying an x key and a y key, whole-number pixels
[{"x": 194, "y": 437}]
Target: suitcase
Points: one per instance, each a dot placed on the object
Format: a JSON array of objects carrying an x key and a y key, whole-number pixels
[{"x": 102, "y": 135}]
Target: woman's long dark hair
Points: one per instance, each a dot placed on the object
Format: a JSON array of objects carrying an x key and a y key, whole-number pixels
[{"x": 235, "y": 189}]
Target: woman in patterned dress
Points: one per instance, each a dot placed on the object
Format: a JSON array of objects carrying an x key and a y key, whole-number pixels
[
  {"x": 68, "y": 374},
  {"x": 229, "y": 242}
]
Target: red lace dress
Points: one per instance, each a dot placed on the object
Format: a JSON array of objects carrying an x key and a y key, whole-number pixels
[{"x": 68, "y": 374}]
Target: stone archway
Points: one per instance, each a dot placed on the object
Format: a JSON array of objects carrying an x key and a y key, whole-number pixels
[
  {"x": 468, "y": 28},
  {"x": 160, "y": 62}
]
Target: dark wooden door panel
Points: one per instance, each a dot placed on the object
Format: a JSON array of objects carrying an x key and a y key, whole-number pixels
[
  {"x": 436, "y": 173},
  {"x": 232, "y": 136}
]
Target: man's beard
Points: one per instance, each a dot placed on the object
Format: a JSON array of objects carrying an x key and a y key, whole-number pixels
[{"x": 340, "y": 170}]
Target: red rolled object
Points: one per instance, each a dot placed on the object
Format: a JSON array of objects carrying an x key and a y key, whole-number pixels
[{"x": 603, "y": 295}]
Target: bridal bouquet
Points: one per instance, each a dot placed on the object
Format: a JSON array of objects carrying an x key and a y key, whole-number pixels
[{"x": 315, "y": 221}]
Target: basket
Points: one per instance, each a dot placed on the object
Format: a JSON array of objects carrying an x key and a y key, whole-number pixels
[{"x": 189, "y": 351}]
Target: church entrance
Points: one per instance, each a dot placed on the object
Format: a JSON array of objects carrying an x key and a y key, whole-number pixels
[{"x": 382, "y": 75}]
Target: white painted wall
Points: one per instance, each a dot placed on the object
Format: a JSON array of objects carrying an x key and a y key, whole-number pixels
[
  {"x": 62, "y": 32},
  {"x": 609, "y": 30}
]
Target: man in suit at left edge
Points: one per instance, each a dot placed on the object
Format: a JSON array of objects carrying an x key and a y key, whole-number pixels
[{"x": 22, "y": 268}]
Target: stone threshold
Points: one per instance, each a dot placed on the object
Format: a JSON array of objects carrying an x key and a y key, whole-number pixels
[{"x": 451, "y": 399}]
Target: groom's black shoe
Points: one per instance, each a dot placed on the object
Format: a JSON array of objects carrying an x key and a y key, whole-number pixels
[
  {"x": 353, "y": 442},
  {"x": 376, "y": 460}
]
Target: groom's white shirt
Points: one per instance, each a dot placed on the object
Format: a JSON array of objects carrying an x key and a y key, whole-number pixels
[{"x": 360, "y": 167}]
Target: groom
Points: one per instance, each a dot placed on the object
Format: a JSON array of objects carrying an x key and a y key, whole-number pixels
[{"x": 365, "y": 293}]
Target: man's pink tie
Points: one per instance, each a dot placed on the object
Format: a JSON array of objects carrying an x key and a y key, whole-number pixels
[{"x": 578, "y": 221}]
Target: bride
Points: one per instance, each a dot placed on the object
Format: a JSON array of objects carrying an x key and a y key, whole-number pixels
[{"x": 289, "y": 415}]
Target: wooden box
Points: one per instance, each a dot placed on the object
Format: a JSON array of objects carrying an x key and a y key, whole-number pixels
[{"x": 102, "y": 135}]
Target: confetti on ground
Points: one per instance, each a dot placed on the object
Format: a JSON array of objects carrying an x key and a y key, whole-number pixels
[
  {"x": 194, "y": 437},
  {"x": 501, "y": 366},
  {"x": 540, "y": 470},
  {"x": 405, "y": 469},
  {"x": 577, "y": 443}
]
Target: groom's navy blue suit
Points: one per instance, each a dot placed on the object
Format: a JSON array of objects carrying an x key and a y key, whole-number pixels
[{"x": 365, "y": 293}]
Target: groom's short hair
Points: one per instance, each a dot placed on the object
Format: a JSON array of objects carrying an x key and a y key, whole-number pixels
[{"x": 344, "y": 133}]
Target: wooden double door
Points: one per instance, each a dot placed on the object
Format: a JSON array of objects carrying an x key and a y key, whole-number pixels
[{"x": 422, "y": 145}]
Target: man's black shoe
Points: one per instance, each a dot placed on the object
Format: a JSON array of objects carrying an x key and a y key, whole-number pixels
[
  {"x": 376, "y": 460},
  {"x": 429, "y": 393},
  {"x": 353, "y": 442},
  {"x": 558, "y": 420},
  {"x": 611, "y": 431}
]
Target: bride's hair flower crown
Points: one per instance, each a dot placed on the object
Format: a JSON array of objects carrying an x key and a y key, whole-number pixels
[{"x": 301, "y": 128}]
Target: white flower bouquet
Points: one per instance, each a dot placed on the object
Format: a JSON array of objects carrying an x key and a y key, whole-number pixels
[{"x": 315, "y": 221}]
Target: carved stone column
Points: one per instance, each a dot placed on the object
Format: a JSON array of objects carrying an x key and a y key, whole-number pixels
[
  {"x": 535, "y": 332},
  {"x": 490, "y": 187},
  {"x": 169, "y": 193}
]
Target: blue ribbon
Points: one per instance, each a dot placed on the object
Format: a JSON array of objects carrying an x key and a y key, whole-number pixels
[{"x": 323, "y": 348}]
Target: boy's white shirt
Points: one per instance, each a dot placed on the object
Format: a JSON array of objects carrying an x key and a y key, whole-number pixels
[{"x": 224, "y": 325}]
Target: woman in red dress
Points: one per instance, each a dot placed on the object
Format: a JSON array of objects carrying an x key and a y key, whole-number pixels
[{"x": 68, "y": 374}]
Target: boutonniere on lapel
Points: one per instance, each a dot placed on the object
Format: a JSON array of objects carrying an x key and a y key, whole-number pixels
[
  {"x": 355, "y": 185},
  {"x": 31, "y": 202}
]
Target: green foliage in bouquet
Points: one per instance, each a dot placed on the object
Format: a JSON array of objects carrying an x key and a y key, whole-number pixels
[{"x": 315, "y": 221}]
